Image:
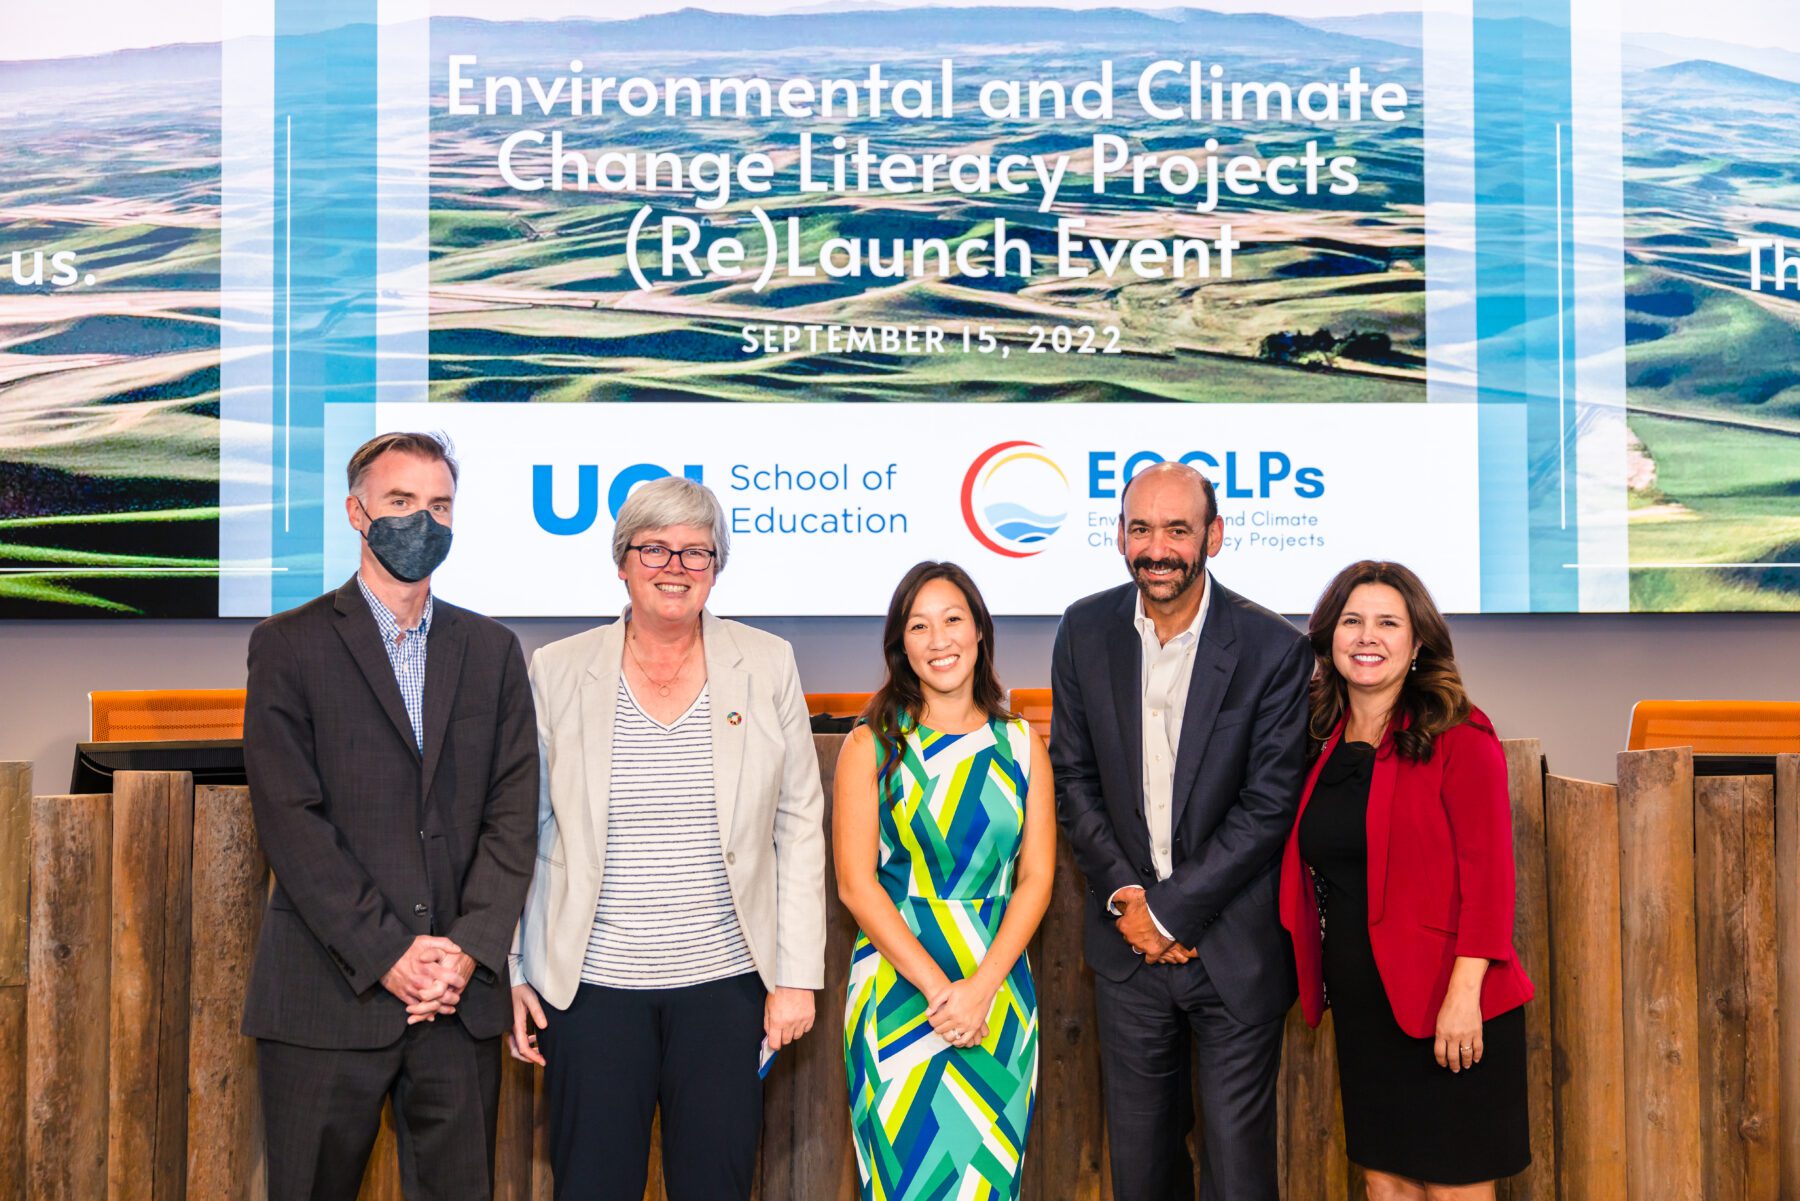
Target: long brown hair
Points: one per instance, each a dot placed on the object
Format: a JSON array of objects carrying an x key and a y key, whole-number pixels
[
  {"x": 1431, "y": 698},
  {"x": 901, "y": 695}
]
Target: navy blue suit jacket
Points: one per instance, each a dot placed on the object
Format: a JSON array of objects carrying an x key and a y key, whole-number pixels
[{"x": 1238, "y": 775}]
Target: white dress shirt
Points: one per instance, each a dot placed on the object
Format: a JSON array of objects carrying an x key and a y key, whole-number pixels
[{"x": 1166, "y": 670}]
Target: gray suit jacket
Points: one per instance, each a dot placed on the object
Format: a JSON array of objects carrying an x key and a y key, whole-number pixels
[
  {"x": 372, "y": 843},
  {"x": 1237, "y": 787},
  {"x": 766, "y": 779}
]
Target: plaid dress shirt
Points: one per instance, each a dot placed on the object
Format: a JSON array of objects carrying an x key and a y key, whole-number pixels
[{"x": 406, "y": 652}]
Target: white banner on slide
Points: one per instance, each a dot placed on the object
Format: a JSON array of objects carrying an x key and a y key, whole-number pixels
[{"x": 829, "y": 504}]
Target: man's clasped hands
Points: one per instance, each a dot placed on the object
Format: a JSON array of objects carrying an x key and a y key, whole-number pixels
[
  {"x": 429, "y": 978},
  {"x": 1138, "y": 927}
]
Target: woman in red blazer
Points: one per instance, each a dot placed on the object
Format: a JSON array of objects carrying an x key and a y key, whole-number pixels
[{"x": 1397, "y": 887}]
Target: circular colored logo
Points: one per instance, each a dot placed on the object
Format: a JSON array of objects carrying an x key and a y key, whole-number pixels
[{"x": 1014, "y": 498}]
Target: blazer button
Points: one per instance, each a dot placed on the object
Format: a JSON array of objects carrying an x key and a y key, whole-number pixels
[
  {"x": 1148, "y": 872},
  {"x": 419, "y": 910},
  {"x": 731, "y": 857}
]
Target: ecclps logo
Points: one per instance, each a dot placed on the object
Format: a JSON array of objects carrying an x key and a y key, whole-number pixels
[{"x": 1014, "y": 497}]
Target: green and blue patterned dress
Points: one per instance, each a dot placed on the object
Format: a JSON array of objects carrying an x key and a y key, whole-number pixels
[{"x": 931, "y": 1120}]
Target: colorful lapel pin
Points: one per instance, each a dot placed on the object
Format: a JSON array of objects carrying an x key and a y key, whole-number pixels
[{"x": 734, "y": 718}]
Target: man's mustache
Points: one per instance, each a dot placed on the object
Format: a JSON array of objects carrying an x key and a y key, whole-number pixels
[{"x": 1146, "y": 563}]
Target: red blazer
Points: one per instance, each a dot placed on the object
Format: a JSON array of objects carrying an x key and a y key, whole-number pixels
[{"x": 1440, "y": 878}]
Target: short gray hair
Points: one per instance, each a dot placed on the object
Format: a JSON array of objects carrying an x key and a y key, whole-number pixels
[{"x": 672, "y": 500}]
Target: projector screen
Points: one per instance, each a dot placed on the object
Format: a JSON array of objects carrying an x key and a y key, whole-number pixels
[{"x": 1503, "y": 291}]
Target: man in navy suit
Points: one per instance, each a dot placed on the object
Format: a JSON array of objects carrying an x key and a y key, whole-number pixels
[{"x": 1179, "y": 742}]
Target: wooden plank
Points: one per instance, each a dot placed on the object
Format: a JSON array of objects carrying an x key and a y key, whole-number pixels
[
  {"x": 1735, "y": 916},
  {"x": 1531, "y": 935},
  {"x": 1581, "y": 827},
  {"x": 1760, "y": 1124},
  {"x": 1661, "y": 990},
  {"x": 381, "y": 1175},
  {"x": 1719, "y": 914},
  {"x": 775, "y": 1157},
  {"x": 152, "y": 843},
  {"x": 1313, "y": 1163},
  {"x": 67, "y": 998},
  {"x": 1719, "y": 920},
  {"x": 542, "y": 1181},
  {"x": 513, "y": 1142},
  {"x": 15, "y": 878},
  {"x": 1787, "y": 959},
  {"x": 1063, "y": 1155},
  {"x": 230, "y": 885},
  {"x": 12, "y": 1093},
  {"x": 654, "y": 1188},
  {"x": 1031, "y": 1175},
  {"x": 15, "y": 871},
  {"x": 817, "y": 1162}
]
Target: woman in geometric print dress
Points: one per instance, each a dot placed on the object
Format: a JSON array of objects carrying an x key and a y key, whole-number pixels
[{"x": 945, "y": 838}]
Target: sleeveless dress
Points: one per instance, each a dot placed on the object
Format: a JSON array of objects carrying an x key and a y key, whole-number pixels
[{"x": 930, "y": 1120}]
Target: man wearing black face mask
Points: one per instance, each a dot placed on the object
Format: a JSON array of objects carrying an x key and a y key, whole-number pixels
[
  {"x": 1178, "y": 736},
  {"x": 391, "y": 747}
]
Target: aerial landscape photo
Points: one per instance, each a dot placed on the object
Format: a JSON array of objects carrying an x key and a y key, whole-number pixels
[
  {"x": 110, "y": 389},
  {"x": 1712, "y": 367},
  {"x": 534, "y": 299}
]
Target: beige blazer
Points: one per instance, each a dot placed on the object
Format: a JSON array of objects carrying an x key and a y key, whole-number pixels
[{"x": 766, "y": 778}]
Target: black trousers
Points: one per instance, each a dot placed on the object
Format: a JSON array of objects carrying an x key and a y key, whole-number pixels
[
  {"x": 615, "y": 1054},
  {"x": 322, "y": 1111},
  {"x": 1150, "y": 1025}
]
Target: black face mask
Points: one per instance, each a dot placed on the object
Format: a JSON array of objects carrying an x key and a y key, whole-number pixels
[{"x": 410, "y": 547}]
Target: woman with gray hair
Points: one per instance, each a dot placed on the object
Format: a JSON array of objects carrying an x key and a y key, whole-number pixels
[{"x": 675, "y": 925}]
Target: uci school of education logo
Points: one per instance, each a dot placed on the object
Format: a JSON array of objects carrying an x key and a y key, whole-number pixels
[{"x": 1014, "y": 498}]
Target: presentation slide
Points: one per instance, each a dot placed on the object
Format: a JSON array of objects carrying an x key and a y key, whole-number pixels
[{"x": 1506, "y": 290}]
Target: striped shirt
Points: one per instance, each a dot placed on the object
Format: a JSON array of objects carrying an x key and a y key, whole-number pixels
[
  {"x": 406, "y": 653},
  {"x": 665, "y": 917}
]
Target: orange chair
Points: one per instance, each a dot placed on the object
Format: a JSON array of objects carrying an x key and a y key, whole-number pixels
[
  {"x": 166, "y": 714},
  {"x": 837, "y": 704},
  {"x": 1716, "y": 727},
  {"x": 1033, "y": 704}
]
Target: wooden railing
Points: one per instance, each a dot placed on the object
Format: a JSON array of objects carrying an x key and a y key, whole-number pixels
[{"x": 1664, "y": 1043}]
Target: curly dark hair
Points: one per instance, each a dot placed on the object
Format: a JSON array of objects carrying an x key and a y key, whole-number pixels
[
  {"x": 901, "y": 695},
  {"x": 1431, "y": 699}
]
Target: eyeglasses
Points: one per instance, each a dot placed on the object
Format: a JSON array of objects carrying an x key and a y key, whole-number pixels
[{"x": 694, "y": 558}]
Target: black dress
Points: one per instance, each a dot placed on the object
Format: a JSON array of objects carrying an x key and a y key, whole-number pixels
[{"x": 1403, "y": 1114}]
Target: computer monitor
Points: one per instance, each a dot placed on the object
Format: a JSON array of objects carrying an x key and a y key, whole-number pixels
[
  {"x": 210, "y": 760},
  {"x": 1717, "y": 764}
]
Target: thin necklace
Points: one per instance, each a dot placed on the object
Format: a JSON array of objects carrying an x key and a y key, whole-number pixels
[{"x": 662, "y": 687}]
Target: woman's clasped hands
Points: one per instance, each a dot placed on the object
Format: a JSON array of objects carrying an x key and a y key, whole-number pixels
[{"x": 959, "y": 1012}]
